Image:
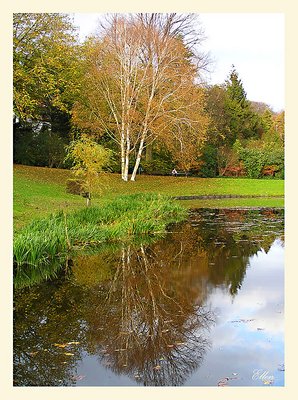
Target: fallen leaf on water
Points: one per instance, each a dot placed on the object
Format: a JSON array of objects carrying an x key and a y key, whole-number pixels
[
  {"x": 79, "y": 377},
  {"x": 243, "y": 320},
  {"x": 33, "y": 353},
  {"x": 157, "y": 367},
  {"x": 165, "y": 330},
  {"x": 179, "y": 343},
  {"x": 69, "y": 354},
  {"x": 234, "y": 377}
]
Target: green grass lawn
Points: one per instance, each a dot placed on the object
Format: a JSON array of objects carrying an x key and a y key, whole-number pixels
[{"x": 40, "y": 191}]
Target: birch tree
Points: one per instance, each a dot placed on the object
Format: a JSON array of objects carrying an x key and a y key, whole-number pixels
[{"x": 140, "y": 85}]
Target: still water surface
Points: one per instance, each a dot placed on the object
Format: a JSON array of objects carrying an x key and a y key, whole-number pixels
[{"x": 201, "y": 307}]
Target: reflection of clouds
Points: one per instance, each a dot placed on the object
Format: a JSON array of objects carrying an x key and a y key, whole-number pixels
[
  {"x": 240, "y": 346},
  {"x": 261, "y": 297},
  {"x": 268, "y": 319},
  {"x": 221, "y": 336},
  {"x": 243, "y": 358},
  {"x": 261, "y": 344}
]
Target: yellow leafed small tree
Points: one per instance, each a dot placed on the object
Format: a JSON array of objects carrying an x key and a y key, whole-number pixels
[{"x": 88, "y": 158}]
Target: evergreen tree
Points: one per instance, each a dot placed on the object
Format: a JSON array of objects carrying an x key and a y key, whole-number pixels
[
  {"x": 244, "y": 122},
  {"x": 235, "y": 88}
]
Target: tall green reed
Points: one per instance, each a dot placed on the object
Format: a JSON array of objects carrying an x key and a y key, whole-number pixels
[{"x": 50, "y": 241}]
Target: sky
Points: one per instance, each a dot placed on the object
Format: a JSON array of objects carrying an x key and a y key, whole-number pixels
[{"x": 253, "y": 43}]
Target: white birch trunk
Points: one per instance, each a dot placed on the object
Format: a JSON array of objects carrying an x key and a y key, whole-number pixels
[
  {"x": 122, "y": 144},
  {"x": 123, "y": 168},
  {"x": 127, "y": 152},
  {"x": 125, "y": 173},
  {"x": 137, "y": 163}
]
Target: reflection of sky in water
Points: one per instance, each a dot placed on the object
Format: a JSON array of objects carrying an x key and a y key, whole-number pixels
[
  {"x": 248, "y": 335},
  {"x": 93, "y": 371},
  {"x": 160, "y": 290},
  {"x": 240, "y": 347}
]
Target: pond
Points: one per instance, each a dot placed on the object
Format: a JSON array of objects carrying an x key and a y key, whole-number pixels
[{"x": 203, "y": 306}]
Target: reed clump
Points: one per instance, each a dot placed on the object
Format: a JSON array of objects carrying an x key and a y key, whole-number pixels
[{"x": 51, "y": 240}]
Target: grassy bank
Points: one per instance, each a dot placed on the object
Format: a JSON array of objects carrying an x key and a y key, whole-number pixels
[
  {"x": 53, "y": 239},
  {"x": 40, "y": 191}
]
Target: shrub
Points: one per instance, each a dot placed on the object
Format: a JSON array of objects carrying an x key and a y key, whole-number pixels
[
  {"x": 209, "y": 166},
  {"x": 261, "y": 159},
  {"x": 74, "y": 186},
  {"x": 157, "y": 167},
  {"x": 253, "y": 161},
  {"x": 270, "y": 170},
  {"x": 45, "y": 148}
]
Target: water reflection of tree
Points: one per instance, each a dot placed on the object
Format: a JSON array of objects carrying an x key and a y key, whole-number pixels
[
  {"x": 46, "y": 315},
  {"x": 230, "y": 237},
  {"x": 149, "y": 326},
  {"x": 140, "y": 309},
  {"x": 146, "y": 322}
]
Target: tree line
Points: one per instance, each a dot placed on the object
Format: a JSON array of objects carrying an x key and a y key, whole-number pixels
[{"x": 136, "y": 88}]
